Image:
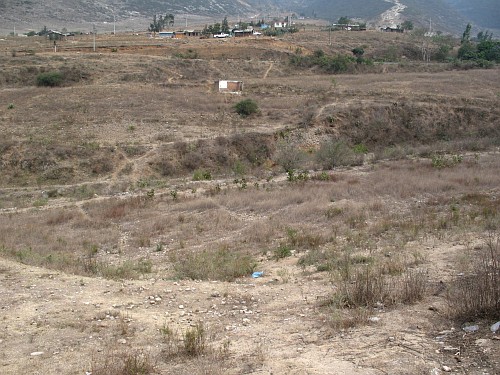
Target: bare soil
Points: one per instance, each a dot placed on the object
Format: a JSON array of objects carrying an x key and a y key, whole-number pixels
[{"x": 79, "y": 161}]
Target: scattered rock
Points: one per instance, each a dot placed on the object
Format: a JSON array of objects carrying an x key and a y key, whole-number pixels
[
  {"x": 181, "y": 307},
  {"x": 35, "y": 354},
  {"x": 122, "y": 341},
  {"x": 494, "y": 328},
  {"x": 471, "y": 328},
  {"x": 446, "y": 368}
]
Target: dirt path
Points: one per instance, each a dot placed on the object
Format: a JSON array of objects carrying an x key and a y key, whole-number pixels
[{"x": 268, "y": 70}]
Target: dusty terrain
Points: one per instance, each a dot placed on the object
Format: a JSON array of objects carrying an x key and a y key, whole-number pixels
[{"x": 103, "y": 217}]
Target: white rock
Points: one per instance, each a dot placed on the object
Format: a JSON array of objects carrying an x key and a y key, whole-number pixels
[
  {"x": 181, "y": 306},
  {"x": 34, "y": 354},
  {"x": 495, "y": 327},
  {"x": 446, "y": 368}
]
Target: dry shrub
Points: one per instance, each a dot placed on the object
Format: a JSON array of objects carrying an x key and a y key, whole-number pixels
[
  {"x": 345, "y": 319},
  {"x": 115, "y": 209},
  {"x": 60, "y": 217},
  {"x": 195, "y": 342},
  {"x": 413, "y": 286},
  {"x": 123, "y": 362},
  {"x": 477, "y": 293},
  {"x": 222, "y": 264}
]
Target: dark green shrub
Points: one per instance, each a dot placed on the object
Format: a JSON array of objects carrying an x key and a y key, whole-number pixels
[
  {"x": 49, "y": 79},
  {"x": 246, "y": 107}
]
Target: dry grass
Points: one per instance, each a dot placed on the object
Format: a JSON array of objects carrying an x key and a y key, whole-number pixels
[
  {"x": 476, "y": 294},
  {"x": 101, "y": 174}
]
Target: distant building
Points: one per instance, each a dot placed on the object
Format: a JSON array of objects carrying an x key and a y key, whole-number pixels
[
  {"x": 280, "y": 25},
  {"x": 389, "y": 29},
  {"x": 242, "y": 33},
  {"x": 348, "y": 27},
  {"x": 234, "y": 87},
  {"x": 166, "y": 34}
]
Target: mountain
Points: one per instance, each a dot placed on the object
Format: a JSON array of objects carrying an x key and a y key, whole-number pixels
[
  {"x": 449, "y": 16},
  {"x": 25, "y": 15},
  {"x": 483, "y": 13},
  {"x": 333, "y": 10}
]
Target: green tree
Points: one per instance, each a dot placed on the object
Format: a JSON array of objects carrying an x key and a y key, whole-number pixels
[
  {"x": 484, "y": 36},
  {"x": 155, "y": 26},
  {"x": 344, "y": 20},
  {"x": 169, "y": 19},
  {"x": 489, "y": 50},
  {"x": 407, "y": 25},
  {"x": 225, "y": 26},
  {"x": 216, "y": 28},
  {"x": 466, "y": 34}
]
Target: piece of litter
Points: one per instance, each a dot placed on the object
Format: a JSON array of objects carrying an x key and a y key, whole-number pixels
[{"x": 257, "y": 274}]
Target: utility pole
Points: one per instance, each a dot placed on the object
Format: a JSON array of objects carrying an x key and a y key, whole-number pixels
[{"x": 114, "y": 24}]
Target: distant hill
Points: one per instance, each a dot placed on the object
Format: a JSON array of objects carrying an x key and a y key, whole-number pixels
[
  {"x": 333, "y": 10},
  {"x": 449, "y": 16},
  {"x": 483, "y": 13}
]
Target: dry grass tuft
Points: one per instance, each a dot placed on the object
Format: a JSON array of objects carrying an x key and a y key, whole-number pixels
[{"x": 477, "y": 293}]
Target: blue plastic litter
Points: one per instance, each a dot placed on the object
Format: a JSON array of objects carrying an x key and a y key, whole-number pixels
[{"x": 257, "y": 274}]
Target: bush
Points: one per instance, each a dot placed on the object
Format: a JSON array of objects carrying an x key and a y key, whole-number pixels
[
  {"x": 222, "y": 264},
  {"x": 477, "y": 293},
  {"x": 246, "y": 107},
  {"x": 335, "y": 153},
  {"x": 49, "y": 79}
]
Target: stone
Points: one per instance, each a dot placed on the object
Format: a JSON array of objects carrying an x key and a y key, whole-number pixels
[
  {"x": 495, "y": 327},
  {"x": 35, "y": 354},
  {"x": 471, "y": 328}
]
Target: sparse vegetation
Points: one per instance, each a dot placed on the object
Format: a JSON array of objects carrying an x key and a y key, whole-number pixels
[
  {"x": 476, "y": 294},
  {"x": 49, "y": 79},
  {"x": 140, "y": 195},
  {"x": 246, "y": 107},
  {"x": 222, "y": 264}
]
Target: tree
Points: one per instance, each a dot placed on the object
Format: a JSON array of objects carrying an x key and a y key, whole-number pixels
[
  {"x": 216, "y": 28},
  {"x": 489, "y": 50},
  {"x": 344, "y": 21},
  {"x": 159, "y": 22},
  {"x": 466, "y": 34},
  {"x": 225, "y": 26},
  {"x": 484, "y": 36},
  {"x": 407, "y": 25},
  {"x": 169, "y": 18},
  {"x": 155, "y": 26}
]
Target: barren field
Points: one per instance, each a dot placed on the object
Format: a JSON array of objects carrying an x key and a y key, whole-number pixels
[{"x": 136, "y": 204}]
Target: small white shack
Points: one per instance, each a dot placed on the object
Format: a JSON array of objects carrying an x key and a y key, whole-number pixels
[{"x": 233, "y": 87}]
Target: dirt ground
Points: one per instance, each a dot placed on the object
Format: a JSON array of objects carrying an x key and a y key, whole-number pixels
[
  {"x": 59, "y": 322},
  {"x": 54, "y": 322}
]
